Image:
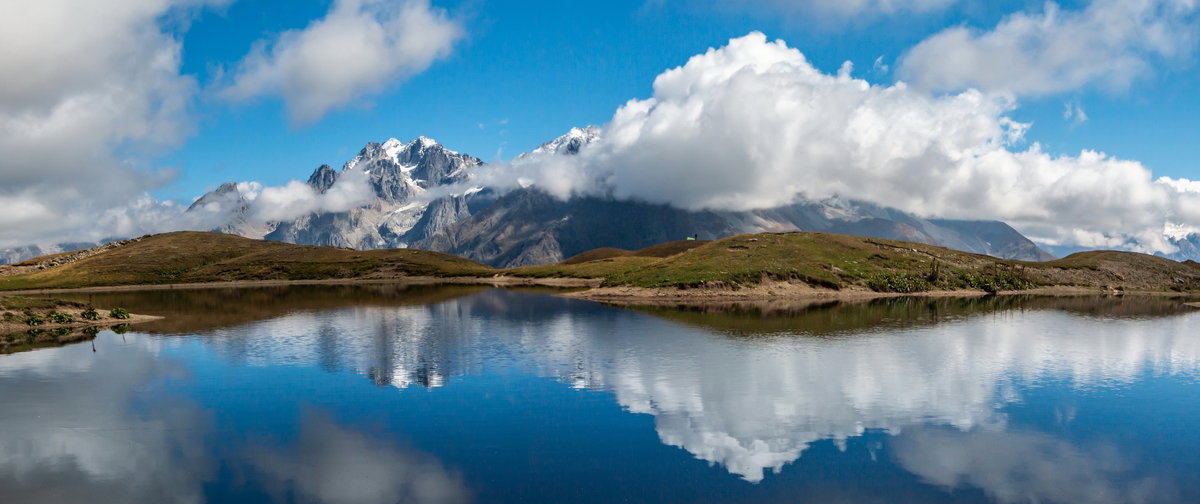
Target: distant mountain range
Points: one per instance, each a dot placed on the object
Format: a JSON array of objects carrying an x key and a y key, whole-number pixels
[
  {"x": 18, "y": 254},
  {"x": 528, "y": 226},
  {"x": 398, "y": 174},
  {"x": 423, "y": 198}
]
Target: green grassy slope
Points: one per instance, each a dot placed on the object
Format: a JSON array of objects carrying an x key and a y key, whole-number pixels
[
  {"x": 187, "y": 257},
  {"x": 840, "y": 261},
  {"x": 661, "y": 250},
  {"x": 820, "y": 259}
]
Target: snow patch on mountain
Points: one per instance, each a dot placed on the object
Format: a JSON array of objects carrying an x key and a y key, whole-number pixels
[{"x": 570, "y": 143}]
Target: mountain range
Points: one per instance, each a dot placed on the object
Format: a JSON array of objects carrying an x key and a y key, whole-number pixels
[
  {"x": 528, "y": 226},
  {"x": 421, "y": 195},
  {"x": 395, "y": 216}
]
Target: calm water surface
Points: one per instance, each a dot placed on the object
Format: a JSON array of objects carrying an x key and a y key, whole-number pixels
[{"x": 376, "y": 394}]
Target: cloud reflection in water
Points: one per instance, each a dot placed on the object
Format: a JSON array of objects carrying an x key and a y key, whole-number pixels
[
  {"x": 90, "y": 443},
  {"x": 752, "y": 404},
  {"x": 335, "y": 464},
  {"x": 940, "y": 387}
]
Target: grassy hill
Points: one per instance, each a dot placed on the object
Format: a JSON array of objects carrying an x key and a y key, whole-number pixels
[
  {"x": 818, "y": 259},
  {"x": 194, "y": 257},
  {"x": 661, "y": 250},
  {"x": 841, "y": 261}
]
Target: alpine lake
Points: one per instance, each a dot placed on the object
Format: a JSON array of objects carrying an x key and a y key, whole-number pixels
[{"x": 454, "y": 394}]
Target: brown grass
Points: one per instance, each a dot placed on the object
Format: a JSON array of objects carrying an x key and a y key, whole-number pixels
[
  {"x": 596, "y": 255},
  {"x": 195, "y": 257},
  {"x": 838, "y": 262},
  {"x": 814, "y": 260}
]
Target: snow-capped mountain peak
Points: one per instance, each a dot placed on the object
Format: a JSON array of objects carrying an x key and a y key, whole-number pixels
[
  {"x": 392, "y": 148},
  {"x": 398, "y": 171},
  {"x": 570, "y": 143},
  {"x": 589, "y": 133},
  {"x": 396, "y": 152}
]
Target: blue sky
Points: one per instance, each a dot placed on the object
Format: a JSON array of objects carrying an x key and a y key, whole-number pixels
[
  {"x": 528, "y": 71},
  {"x": 115, "y": 115}
]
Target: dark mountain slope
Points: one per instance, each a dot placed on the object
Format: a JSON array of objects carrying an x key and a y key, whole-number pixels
[{"x": 527, "y": 227}]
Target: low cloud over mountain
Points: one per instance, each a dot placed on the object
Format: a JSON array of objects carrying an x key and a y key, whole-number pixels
[{"x": 754, "y": 125}]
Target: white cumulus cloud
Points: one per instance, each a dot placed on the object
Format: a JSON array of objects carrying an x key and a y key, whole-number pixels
[
  {"x": 1108, "y": 44},
  {"x": 90, "y": 91},
  {"x": 755, "y": 125},
  {"x": 361, "y": 47},
  {"x": 93, "y": 92}
]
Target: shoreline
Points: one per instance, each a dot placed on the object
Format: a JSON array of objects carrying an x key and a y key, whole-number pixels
[
  {"x": 628, "y": 295},
  {"x": 495, "y": 281},
  {"x": 17, "y": 337},
  {"x": 18, "y": 327},
  {"x": 782, "y": 291}
]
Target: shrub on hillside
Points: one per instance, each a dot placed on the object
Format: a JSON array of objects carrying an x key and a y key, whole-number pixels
[
  {"x": 90, "y": 314},
  {"x": 993, "y": 283},
  {"x": 60, "y": 318},
  {"x": 903, "y": 283}
]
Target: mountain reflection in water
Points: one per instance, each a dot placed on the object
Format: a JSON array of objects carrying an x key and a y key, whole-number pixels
[{"x": 959, "y": 395}]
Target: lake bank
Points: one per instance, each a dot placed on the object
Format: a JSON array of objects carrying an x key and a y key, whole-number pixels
[
  {"x": 762, "y": 266},
  {"x": 28, "y": 323},
  {"x": 10, "y": 327},
  {"x": 19, "y": 314},
  {"x": 792, "y": 291},
  {"x": 496, "y": 281},
  {"x": 590, "y": 289}
]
